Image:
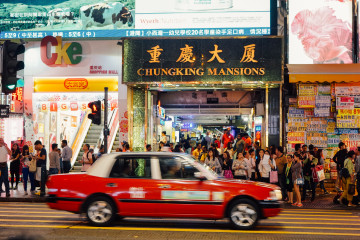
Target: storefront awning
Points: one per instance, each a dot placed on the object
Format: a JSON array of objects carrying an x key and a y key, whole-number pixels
[{"x": 324, "y": 73}]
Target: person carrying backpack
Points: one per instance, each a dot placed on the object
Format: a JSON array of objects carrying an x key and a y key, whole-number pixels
[
  {"x": 309, "y": 163},
  {"x": 87, "y": 159},
  {"x": 347, "y": 177}
]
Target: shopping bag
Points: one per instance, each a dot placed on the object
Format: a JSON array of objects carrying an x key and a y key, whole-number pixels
[
  {"x": 274, "y": 176},
  {"x": 228, "y": 174},
  {"x": 320, "y": 173},
  {"x": 32, "y": 166},
  {"x": 314, "y": 175},
  {"x": 351, "y": 189}
]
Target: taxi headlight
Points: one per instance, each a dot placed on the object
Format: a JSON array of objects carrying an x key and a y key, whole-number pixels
[{"x": 275, "y": 195}]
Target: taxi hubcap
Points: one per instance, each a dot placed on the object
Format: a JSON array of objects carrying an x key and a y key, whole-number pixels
[
  {"x": 100, "y": 211},
  {"x": 243, "y": 215}
]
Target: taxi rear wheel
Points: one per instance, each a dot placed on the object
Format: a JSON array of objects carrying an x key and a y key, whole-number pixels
[
  {"x": 243, "y": 214},
  {"x": 100, "y": 211}
]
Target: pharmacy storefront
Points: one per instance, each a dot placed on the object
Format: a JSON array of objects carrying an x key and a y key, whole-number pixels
[{"x": 61, "y": 78}]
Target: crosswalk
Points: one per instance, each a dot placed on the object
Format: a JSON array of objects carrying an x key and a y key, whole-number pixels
[{"x": 305, "y": 222}]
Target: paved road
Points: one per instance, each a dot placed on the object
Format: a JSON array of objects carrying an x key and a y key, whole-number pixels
[{"x": 36, "y": 219}]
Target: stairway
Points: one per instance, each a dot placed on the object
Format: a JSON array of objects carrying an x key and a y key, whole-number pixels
[
  {"x": 116, "y": 142},
  {"x": 91, "y": 138}
]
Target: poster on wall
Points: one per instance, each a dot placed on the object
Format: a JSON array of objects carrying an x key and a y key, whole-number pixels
[
  {"x": 317, "y": 125},
  {"x": 320, "y": 31},
  {"x": 323, "y": 101},
  {"x": 347, "y": 89},
  {"x": 345, "y": 103},
  {"x": 333, "y": 141},
  {"x": 324, "y": 90},
  {"x": 322, "y": 112},
  {"x": 295, "y": 137},
  {"x": 307, "y": 89},
  {"x": 317, "y": 139},
  {"x": 306, "y": 101},
  {"x": 347, "y": 121},
  {"x": 296, "y": 112}
]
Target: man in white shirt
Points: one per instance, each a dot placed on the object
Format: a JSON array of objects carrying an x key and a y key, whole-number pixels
[
  {"x": 4, "y": 152},
  {"x": 66, "y": 156}
]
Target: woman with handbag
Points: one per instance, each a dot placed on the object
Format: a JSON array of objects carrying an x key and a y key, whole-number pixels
[
  {"x": 227, "y": 165},
  {"x": 289, "y": 185},
  {"x": 297, "y": 178},
  {"x": 348, "y": 179},
  {"x": 240, "y": 167},
  {"x": 15, "y": 165},
  {"x": 25, "y": 161},
  {"x": 310, "y": 183},
  {"x": 320, "y": 157}
]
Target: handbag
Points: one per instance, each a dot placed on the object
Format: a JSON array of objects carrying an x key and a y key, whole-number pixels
[
  {"x": 320, "y": 172},
  {"x": 300, "y": 180},
  {"x": 314, "y": 175},
  {"x": 228, "y": 174},
  {"x": 274, "y": 176},
  {"x": 351, "y": 189},
  {"x": 32, "y": 166}
]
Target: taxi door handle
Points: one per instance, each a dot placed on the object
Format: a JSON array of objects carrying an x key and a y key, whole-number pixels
[
  {"x": 111, "y": 185},
  {"x": 164, "y": 186}
]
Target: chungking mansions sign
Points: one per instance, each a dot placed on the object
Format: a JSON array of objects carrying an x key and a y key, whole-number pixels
[{"x": 203, "y": 60}]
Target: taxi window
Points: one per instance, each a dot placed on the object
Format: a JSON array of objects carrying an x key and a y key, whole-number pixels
[
  {"x": 131, "y": 167},
  {"x": 176, "y": 168}
]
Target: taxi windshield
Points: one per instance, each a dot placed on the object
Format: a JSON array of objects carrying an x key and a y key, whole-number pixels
[{"x": 205, "y": 168}]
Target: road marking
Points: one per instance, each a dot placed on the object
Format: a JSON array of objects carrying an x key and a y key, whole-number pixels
[
  {"x": 329, "y": 212},
  {"x": 53, "y": 212},
  {"x": 316, "y": 215},
  {"x": 309, "y": 209},
  {"x": 319, "y": 228},
  {"x": 39, "y": 216},
  {"x": 319, "y": 219},
  {"x": 318, "y": 223},
  {"x": 41, "y": 221},
  {"x": 180, "y": 230}
]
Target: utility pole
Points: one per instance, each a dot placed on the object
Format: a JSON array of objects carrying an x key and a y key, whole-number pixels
[{"x": 106, "y": 128}]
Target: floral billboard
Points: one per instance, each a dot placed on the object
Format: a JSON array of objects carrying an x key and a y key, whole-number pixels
[{"x": 320, "y": 31}]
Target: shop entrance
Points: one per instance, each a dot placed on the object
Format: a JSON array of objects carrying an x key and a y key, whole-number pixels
[{"x": 193, "y": 114}]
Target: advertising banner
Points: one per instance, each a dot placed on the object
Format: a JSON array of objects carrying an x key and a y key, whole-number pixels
[
  {"x": 307, "y": 90},
  {"x": 309, "y": 113},
  {"x": 347, "y": 121},
  {"x": 347, "y": 89},
  {"x": 295, "y": 137},
  {"x": 352, "y": 141},
  {"x": 306, "y": 101},
  {"x": 354, "y": 111},
  {"x": 317, "y": 139},
  {"x": 323, "y": 89},
  {"x": 322, "y": 112},
  {"x": 340, "y": 131},
  {"x": 296, "y": 112},
  {"x": 117, "y": 18},
  {"x": 333, "y": 141},
  {"x": 317, "y": 125},
  {"x": 204, "y": 60},
  {"x": 345, "y": 103},
  {"x": 297, "y": 124},
  {"x": 323, "y": 101},
  {"x": 331, "y": 126},
  {"x": 357, "y": 101},
  {"x": 320, "y": 31}
]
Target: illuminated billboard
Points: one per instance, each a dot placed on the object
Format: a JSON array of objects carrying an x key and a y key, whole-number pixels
[
  {"x": 320, "y": 31},
  {"x": 118, "y": 18}
]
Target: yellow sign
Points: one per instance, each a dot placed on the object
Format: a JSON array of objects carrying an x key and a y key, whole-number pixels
[
  {"x": 355, "y": 111},
  {"x": 186, "y": 54},
  {"x": 307, "y": 90},
  {"x": 86, "y": 84},
  {"x": 215, "y": 54},
  {"x": 249, "y": 54},
  {"x": 155, "y": 53}
]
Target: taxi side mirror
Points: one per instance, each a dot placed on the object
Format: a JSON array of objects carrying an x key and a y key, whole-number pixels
[{"x": 200, "y": 176}]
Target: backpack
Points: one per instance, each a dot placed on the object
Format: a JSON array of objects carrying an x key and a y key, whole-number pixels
[
  {"x": 344, "y": 172},
  {"x": 92, "y": 156}
]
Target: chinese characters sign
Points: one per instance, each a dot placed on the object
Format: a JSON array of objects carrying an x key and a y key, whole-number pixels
[{"x": 214, "y": 60}]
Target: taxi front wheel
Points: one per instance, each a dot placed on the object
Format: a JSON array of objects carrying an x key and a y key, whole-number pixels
[
  {"x": 244, "y": 214},
  {"x": 100, "y": 211}
]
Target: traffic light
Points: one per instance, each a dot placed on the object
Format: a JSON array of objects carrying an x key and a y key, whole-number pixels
[
  {"x": 95, "y": 114},
  {"x": 10, "y": 65}
]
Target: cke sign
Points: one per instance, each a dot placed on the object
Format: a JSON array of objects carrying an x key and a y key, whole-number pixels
[{"x": 69, "y": 52}]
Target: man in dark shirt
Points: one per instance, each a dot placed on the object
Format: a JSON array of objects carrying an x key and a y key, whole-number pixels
[
  {"x": 40, "y": 159},
  {"x": 339, "y": 159}
]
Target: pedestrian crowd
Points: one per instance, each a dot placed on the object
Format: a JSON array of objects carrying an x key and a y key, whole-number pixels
[{"x": 298, "y": 174}]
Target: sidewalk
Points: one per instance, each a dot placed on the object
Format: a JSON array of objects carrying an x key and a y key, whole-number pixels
[{"x": 19, "y": 195}]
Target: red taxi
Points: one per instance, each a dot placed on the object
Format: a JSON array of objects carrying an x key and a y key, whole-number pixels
[{"x": 160, "y": 185}]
